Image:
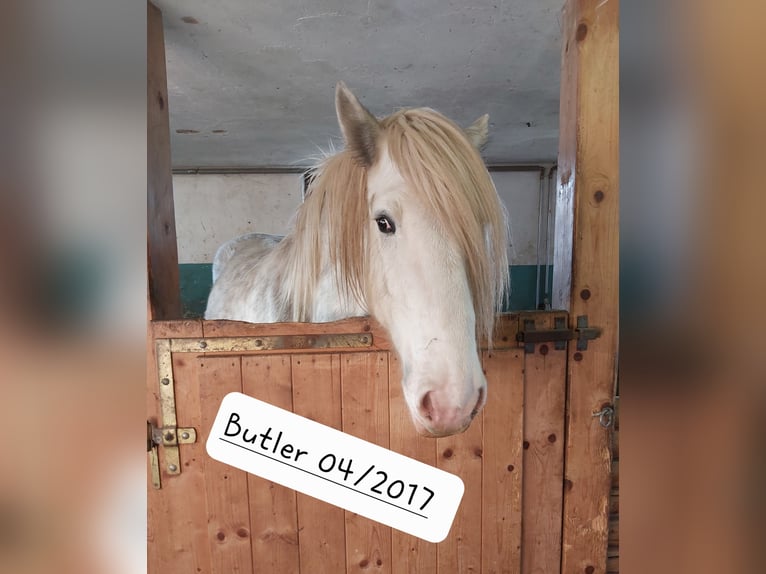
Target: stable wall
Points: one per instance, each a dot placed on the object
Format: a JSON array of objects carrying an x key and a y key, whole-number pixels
[{"x": 213, "y": 208}]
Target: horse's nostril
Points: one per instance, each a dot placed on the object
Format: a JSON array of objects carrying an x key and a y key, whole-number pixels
[
  {"x": 426, "y": 406},
  {"x": 479, "y": 403}
]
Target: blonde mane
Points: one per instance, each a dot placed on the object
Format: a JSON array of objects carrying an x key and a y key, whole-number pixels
[{"x": 445, "y": 172}]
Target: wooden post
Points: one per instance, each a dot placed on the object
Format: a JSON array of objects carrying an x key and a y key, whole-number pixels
[
  {"x": 162, "y": 250},
  {"x": 586, "y": 266}
]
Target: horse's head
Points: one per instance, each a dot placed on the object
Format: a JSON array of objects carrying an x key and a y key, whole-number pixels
[{"x": 435, "y": 242}]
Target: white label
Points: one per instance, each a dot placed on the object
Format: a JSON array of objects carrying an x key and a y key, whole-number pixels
[{"x": 333, "y": 466}]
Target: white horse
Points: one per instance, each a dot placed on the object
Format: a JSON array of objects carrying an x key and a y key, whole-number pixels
[{"x": 404, "y": 224}]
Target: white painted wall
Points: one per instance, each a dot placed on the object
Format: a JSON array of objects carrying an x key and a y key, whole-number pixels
[
  {"x": 213, "y": 208},
  {"x": 519, "y": 191}
]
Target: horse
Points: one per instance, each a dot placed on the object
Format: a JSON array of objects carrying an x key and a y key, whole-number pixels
[{"x": 405, "y": 225}]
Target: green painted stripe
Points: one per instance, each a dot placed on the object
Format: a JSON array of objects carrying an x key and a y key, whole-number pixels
[
  {"x": 196, "y": 281},
  {"x": 523, "y": 282}
]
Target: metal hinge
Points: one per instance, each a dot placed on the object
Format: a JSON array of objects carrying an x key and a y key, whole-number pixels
[
  {"x": 169, "y": 438},
  {"x": 559, "y": 335},
  {"x": 168, "y": 435}
]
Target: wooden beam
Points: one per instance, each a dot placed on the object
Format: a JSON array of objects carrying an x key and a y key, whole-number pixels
[
  {"x": 162, "y": 249},
  {"x": 586, "y": 266}
]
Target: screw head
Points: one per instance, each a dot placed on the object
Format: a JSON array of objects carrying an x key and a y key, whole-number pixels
[
  {"x": 203, "y": 344},
  {"x": 172, "y": 468},
  {"x": 165, "y": 381},
  {"x": 184, "y": 435}
]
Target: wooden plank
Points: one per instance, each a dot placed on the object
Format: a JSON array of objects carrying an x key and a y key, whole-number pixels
[
  {"x": 586, "y": 246},
  {"x": 273, "y": 508},
  {"x": 364, "y": 381},
  {"x": 177, "y": 530},
  {"x": 563, "y": 230},
  {"x": 544, "y": 405},
  {"x": 462, "y": 455},
  {"x": 226, "y": 493},
  {"x": 321, "y": 526},
  {"x": 156, "y": 505},
  {"x": 506, "y": 328},
  {"x": 177, "y": 329},
  {"x": 409, "y": 555},
  {"x": 162, "y": 252},
  {"x": 503, "y": 466}
]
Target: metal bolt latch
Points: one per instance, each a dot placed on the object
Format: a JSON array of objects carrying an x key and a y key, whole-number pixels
[{"x": 529, "y": 335}]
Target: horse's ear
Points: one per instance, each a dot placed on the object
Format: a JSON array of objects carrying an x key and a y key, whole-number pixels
[
  {"x": 478, "y": 132},
  {"x": 360, "y": 128}
]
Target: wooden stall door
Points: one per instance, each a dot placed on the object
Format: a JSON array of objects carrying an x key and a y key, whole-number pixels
[{"x": 212, "y": 518}]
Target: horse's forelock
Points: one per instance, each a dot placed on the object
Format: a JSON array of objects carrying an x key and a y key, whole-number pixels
[{"x": 440, "y": 164}]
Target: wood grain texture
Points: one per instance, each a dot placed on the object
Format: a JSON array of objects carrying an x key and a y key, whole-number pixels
[
  {"x": 177, "y": 531},
  {"x": 588, "y": 202},
  {"x": 273, "y": 508},
  {"x": 460, "y": 552},
  {"x": 503, "y": 466},
  {"x": 188, "y": 328},
  {"x": 226, "y": 492},
  {"x": 364, "y": 381},
  {"x": 409, "y": 555},
  {"x": 613, "y": 550},
  {"x": 321, "y": 526},
  {"x": 162, "y": 249},
  {"x": 361, "y": 393},
  {"x": 544, "y": 405}
]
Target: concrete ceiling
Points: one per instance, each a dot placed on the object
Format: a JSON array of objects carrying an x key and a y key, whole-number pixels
[{"x": 251, "y": 83}]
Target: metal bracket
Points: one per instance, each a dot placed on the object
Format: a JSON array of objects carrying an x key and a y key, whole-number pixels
[
  {"x": 559, "y": 335},
  {"x": 585, "y": 333},
  {"x": 271, "y": 343},
  {"x": 169, "y": 436},
  {"x": 154, "y": 459}
]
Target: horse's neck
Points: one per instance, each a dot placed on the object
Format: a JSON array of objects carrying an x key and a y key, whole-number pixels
[{"x": 330, "y": 304}]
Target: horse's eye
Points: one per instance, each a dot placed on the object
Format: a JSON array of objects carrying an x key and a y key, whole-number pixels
[{"x": 385, "y": 225}]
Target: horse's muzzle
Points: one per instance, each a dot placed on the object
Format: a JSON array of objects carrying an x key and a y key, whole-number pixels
[{"x": 436, "y": 419}]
